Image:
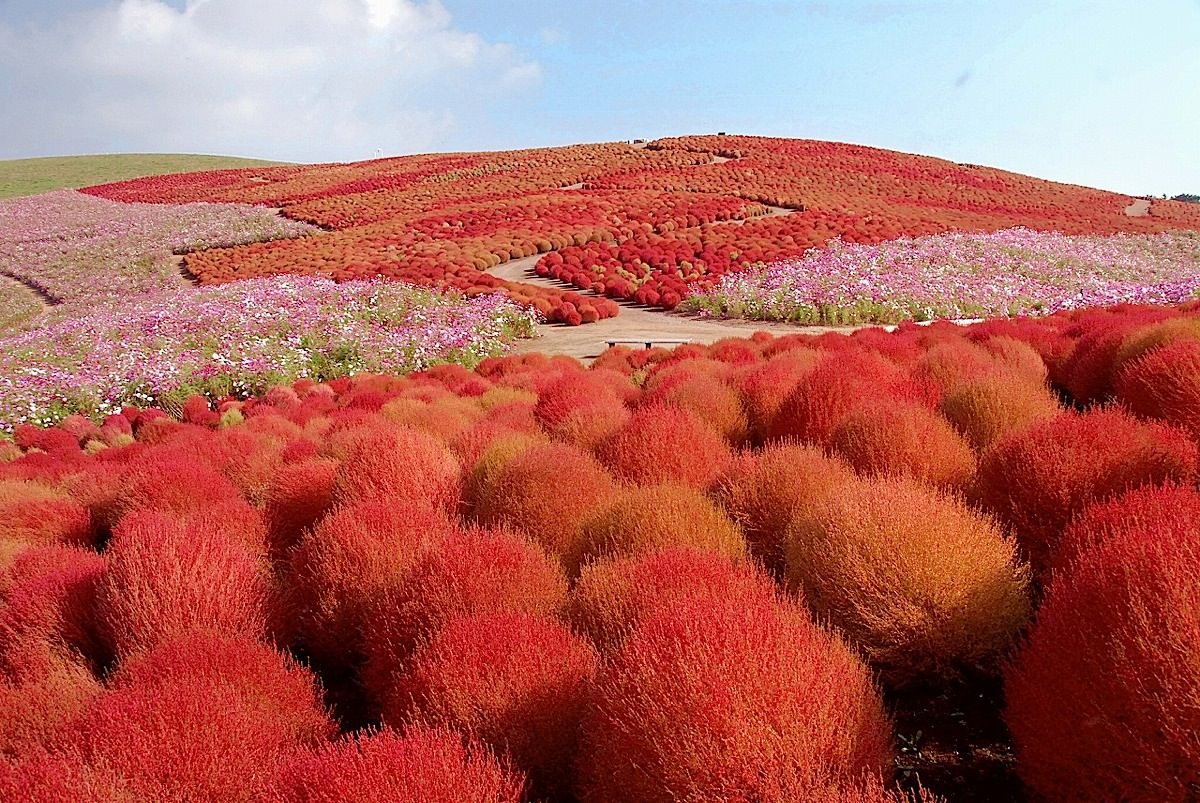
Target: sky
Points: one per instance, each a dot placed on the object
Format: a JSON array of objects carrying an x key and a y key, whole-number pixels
[{"x": 1105, "y": 94}]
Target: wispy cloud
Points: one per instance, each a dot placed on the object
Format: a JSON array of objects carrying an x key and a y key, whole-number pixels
[{"x": 295, "y": 79}]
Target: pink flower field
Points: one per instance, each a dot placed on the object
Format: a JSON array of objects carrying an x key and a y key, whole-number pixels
[
  {"x": 955, "y": 276},
  {"x": 98, "y": 316},
  {"x": 81, "y": 252},
  {"x": 241, "y": 339}
]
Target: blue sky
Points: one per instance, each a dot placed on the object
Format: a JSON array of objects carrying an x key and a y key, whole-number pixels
[{"x": 1099, "y": 93}]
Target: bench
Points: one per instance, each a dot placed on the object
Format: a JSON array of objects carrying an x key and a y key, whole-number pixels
[{"x": 649, "y": 342}]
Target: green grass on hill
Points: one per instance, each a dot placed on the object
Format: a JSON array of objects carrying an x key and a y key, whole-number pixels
[{"x": 31, "y": 176}]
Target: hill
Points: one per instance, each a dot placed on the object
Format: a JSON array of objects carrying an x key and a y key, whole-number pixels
[
  {"x": 31, "y": 176},
  {"x": 648, "y": 223}
]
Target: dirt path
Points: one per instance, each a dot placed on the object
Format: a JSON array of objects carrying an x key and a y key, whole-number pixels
[
  {"x": 1139, "y": 208},
  {"x": 45, "y": 296},
  {"x": 635, "y": 323}
]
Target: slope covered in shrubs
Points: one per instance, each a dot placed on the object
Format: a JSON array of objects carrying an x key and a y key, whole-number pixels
[
  {"x": 650, "y": 224},
  {"x": 480, "y": 585}
]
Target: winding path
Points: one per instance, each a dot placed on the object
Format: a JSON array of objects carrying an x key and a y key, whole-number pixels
[{"x": 636, "y": 322}]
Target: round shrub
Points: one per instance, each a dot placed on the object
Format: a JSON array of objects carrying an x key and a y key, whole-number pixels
[
  {"x": 613, "y": 594},
  {"x": 166, "y": 578},
  {"x": 501, "y": 447},
  {"x": 581, "y": 413},
  {"x": 740, "y": 700},
  {"x": 662, "y": 443},
  {"x": 905, "y": 439},
  {"x": 353, "y": 554},
  {"x": 1038, "y": 478},
  {"x": 202, "y": 719},
  {"x": 839, "y": 385},
  {"x": 401, "y": 464},
  {"x": 921, "y": 583},
  {"x": 36, "y": 514},
  {"x": 420, "y": 765},
  {"x": 644, "y": 518},
  {"x": 953, "y": 362},
  {"x": 764, "y": 491},
  {"x": 765, "y": 386},
  {"x": 518, "y": 682},
  {"x": 547, "y": 492},
  {"x": 172, "y": 481},
  {"x": 299, "y": 496},
  {"x": 990, "y": 407},
  {"x": 480, "y": 571},
  {"x": 1169, "y": 512},
  {"x": 1165, "y": 384},
  {"x": 38, "y": 707},
  {"x": 51, "y": 608},
  {"x": 1104, "y": 700},
  {"x": 709, "y": 398}
]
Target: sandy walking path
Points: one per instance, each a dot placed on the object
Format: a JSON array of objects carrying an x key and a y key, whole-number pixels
[
  {"x": 634, "y": 323},
  {"x": 1139, "y": 208}
]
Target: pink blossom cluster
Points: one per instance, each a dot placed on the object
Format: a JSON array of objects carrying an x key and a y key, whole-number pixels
[
  {"x": 240, "y": 339},
  {"x": 80, "y": 252},
  {"x": 956, "y": 276}
]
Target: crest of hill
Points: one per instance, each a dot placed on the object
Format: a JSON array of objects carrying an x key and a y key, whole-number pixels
[{"x": 31, "y": 176}]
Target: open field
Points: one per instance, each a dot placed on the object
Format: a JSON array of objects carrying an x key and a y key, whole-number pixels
[
  {"x": 317, "y": 521},
  {"x": 31, "y": 176}
]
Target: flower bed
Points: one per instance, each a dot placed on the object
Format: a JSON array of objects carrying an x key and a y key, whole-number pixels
[
  {"x": 955, "y": 276},
  {"x": 82, "y": 251},
  {"x": 240, "y": 339}
]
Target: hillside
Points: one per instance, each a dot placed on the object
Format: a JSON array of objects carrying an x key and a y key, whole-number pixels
[
  {"x": 647, "y": 223},
  {"x": 30, "y": 176}
]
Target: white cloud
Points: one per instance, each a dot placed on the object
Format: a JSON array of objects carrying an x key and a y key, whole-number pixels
[{"x": 293, "y": 79}]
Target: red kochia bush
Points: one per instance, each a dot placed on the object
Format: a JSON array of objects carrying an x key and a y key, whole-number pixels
[
  {"x": 38, "y": 707},
  {"x": 547, "y": 492},
  {"x": 170, "y": 480},
  {"x": 42, "y": 777},
  {"x": 166, "y": 578},
  {"x": 1104, "y": 701},
  {"x": 730, "y": 700},
  {"x": 480, "y": 571},
  {"x": 839, "y": 385},
  {"x": 420, "y": 765},
  {"x": 1165, "y": 384},
  {"x": 299, "y": 495},
  {"x": 614, "y": 594},
  {"x": 765, "y": 490},
  {"x": 710, "y": 399},
  {"x": 404, "y": 464},
  {"x": 37, "y": 514},
  {"x": 355, "y": 553},
  {"x": 517, "y": 681},
  {"x": 898, "y": 438},
  {"x": 765, "y": 386},
  {"x": 666, "y": 444},
  {"x": 923, "y": 584},
  {"x": 644, "y": 518},
  {"x": 202, "y": 719},
  {"x": 1169, "y": 512},
  {"x": 51, "y": 608},
  {"x": 1038, "y": 478},
  {"x": 581, "y": 413}
]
